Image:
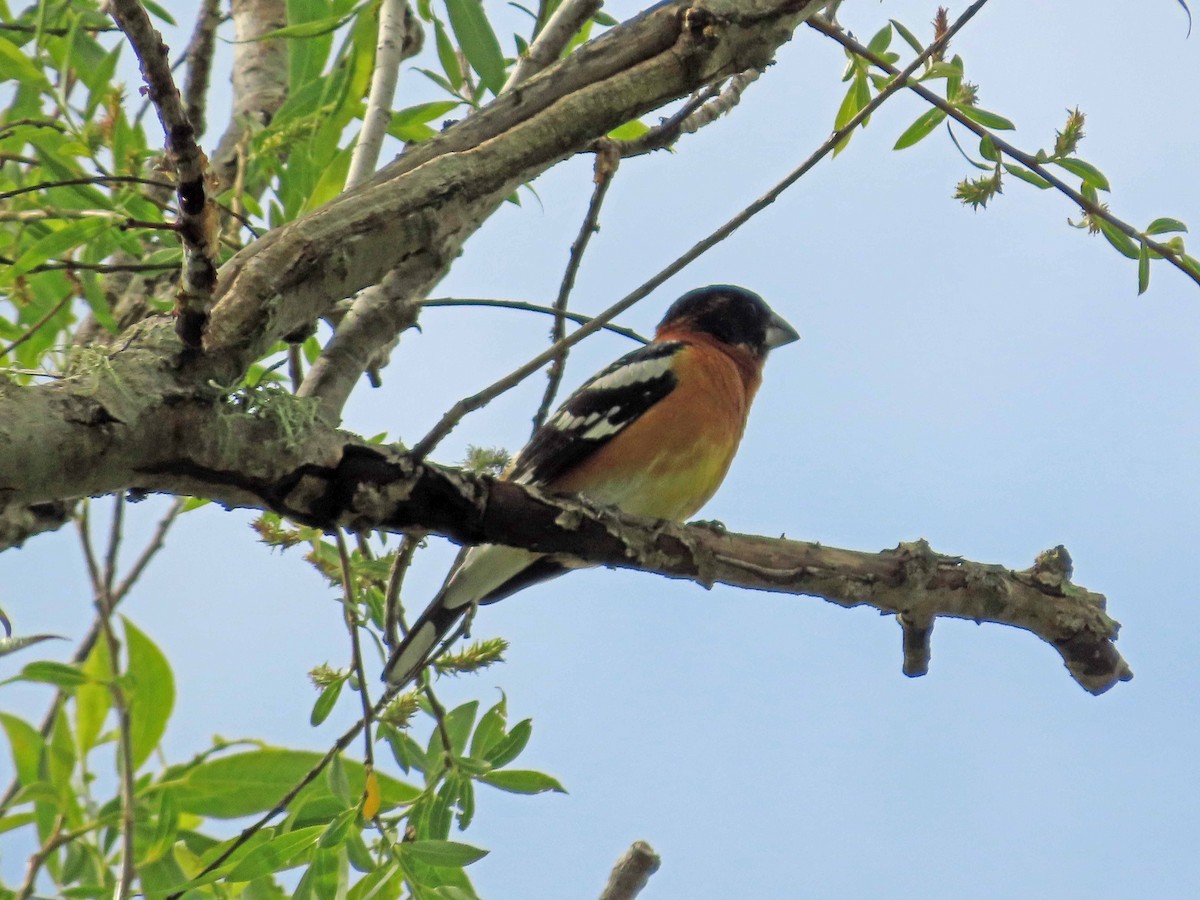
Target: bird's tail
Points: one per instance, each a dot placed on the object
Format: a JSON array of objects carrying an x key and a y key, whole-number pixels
[{"x": 422, "y": 640}]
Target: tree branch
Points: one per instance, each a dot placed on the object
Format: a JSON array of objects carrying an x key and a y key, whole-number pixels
[
  {"x": 197, "y": 224},
  {"x": 632, "y": 872},
  {"x": 260, "y": 78},
  {"x": 563, "y": 24},
  {"x": 1097, "y": 210}
]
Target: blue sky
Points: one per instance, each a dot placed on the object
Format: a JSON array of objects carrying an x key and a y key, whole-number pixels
[{"x": 989, "y": 381}]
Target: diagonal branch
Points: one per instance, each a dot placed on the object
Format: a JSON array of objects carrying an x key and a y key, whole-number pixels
[
  {"x": 1174, "y": 257},
  {"x": 563, "y": 24}
]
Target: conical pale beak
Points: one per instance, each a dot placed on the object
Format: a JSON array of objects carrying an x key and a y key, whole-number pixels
[{"x": 779, "y": 333}]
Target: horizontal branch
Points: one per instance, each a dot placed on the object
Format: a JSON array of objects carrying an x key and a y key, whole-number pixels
[{"x": 372, "y": 488}]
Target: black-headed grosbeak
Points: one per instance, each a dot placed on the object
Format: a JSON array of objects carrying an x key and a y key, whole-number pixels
[{"x": 653, "y": 434}]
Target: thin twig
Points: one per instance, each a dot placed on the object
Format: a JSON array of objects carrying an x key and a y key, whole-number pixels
[
  {"x": 526, "y": 306},
  {"x": 199, "y": 56},
  {"x": 114, "y": 546},
  {"x": 439, "y": 715},
  {"x": 78, "y": 182},
  {"x": 393, "y": 621},
  {"x": 1027, "y": 160},
  {"x": 37, "y": 326},
  {"x": 156, "y": 542},
  {"x": 71, "y": 266},
  {"x": 57, "y": 838},
  {"x": 607, "y": 160},
  {"x": 668, "y": 131},
  {"x": 469, "y": 404},
  {"x": 350, "y": 611}
]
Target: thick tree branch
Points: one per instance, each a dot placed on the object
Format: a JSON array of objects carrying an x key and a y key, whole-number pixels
[{"x": 415, "y": 214}]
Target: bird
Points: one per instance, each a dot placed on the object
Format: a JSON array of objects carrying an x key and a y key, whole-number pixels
[{"x": 653, "y": 434}]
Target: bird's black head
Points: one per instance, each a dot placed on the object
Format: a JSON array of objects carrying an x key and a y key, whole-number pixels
[{"x": 732, "y": 315}]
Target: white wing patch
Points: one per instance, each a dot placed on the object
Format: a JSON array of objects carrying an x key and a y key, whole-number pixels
[
  {"x": 604, "y": 424},
  {"x": 633, "y": 373}
]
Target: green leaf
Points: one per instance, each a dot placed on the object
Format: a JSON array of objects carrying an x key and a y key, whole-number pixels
[
  {"x": 925, "y": 123},
  {"x": 252, "y": 781},
  {"x": 55, "y": 243},
  {"x": 458, "y": 725},
  {"x": 314, "y": 28},
  {"x": 326, "y": 878},
  {"x": 942, "y": 69},
  {"x": 629, "y": 131},
  {"x": 382, "y": 883},
  {"x": 1164, "y": 225},
  {"x": 987, "y": 119},
  {"x": 153, "y": 695},
  {"x": 1118, "y": 239},
  {"x": 448, "y": 57},
  {"x": 338, "y": 781},
  {"x": 987, "y": 149},
  {"x": 13, "y": 644},
  {"x": 490, "y": 728},
  {"x": 1025, "y": 175},
  {"x": 26, "y": 744},
  {"x": 522, "y": 781},
  {"x": 510, "y": 746},
  {"x": 93, "y": 700},
  {"x": 1143, "y": 269},
  {"x": 1191, "y": 264},
  {"x": 335, "y": 832},
  {"x": 56, "y": 673},
  {"x": 1085, "y": 170},
  {"x": 478, "y": 41},
  {"x": 442, "y": 853},
  {"x": 881, "y": 41},
  {"x": 909, "y": 37},
  {"x": 326, "y": 702},
  {"x": 20, "y": 68},
  {"x": 276, "y": 855}
]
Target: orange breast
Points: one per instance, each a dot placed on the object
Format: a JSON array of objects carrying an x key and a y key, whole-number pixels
[{"x": 669, "y": 462}]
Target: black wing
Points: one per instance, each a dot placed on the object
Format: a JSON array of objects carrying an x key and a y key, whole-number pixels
[{"x": 594, "y": 414}]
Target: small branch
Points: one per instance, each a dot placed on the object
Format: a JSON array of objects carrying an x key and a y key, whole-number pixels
[
  {"x": 607, "y": 160},
  {"x": 469, "y": 404},
  {"x": 350, "y": 612},
  {"x": 198, "y": 223},
  {"x": 199, "y": 55},
  {"x": 393, "y": 625},
  {"x": 376, "y": 317},
  {"x": 1025, "y": 159},
  {"x": 396, "y": 43},
  {"x": 667, "y": 132},
  {"x": 632, "y": 872},
  {"x": 156, "y": 542},
  {"x": 525, "y": 306},
  {"x": 917, "y": 632},
  {"x": 38, "y": 325},
  {"x": 114, "y": 546},
  {"x": 98, "y": 179},
  {"x": 546, "y": 48}
]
